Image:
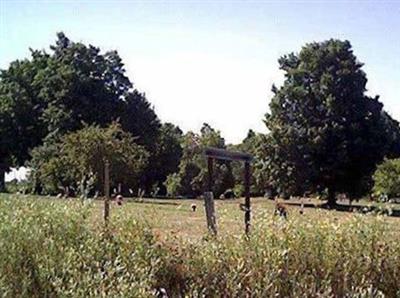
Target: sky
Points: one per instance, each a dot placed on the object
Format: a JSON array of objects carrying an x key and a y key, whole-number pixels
[{"x": 211, "y": 61}]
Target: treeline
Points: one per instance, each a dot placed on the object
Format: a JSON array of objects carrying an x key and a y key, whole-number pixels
[{"x": 66, "y": 111}]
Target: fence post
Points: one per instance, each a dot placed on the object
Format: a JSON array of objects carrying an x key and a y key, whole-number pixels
[
  {"x": 247, "y": 197},
  {"x": 106, "y": 190},
  {"x": 2, "y": 178},
  {"x": 210, "y": 212},
  {"x": 209, "y": 200}
]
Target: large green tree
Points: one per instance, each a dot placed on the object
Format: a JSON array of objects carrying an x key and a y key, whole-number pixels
[
  {"x": 54, "y": 93},
  {"x": 325, "y": 133},
  {"x": 20, "y": 112}
]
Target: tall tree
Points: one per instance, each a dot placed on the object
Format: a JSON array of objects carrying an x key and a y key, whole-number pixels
[
  {"x": 166, "y": 158},
  {"x": 325, "y": 133},
  {"x": 20, "y": 111},
  {"x": 80, "y": 85},
  {"x": 49, "y": 95}
]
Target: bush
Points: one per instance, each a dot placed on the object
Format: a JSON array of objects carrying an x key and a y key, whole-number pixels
[
  {"x": 387, "y": 178},
  {"x": 15, "y": 186}
]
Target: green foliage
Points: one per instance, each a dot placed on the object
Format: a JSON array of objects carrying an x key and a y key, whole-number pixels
[
  {"x": 51, "y": 94},
  {"x": 254, "y": 144},
  {"x": 165, "y": 157},
  {"x": 325, "y": 133},
  {"x": 173, "y": 185},
  {"x": 54, "y": 248},
  {"x": 20, "y": 110},
  {"x": 15, "y": 186},
  {"x": 78, "y": 160},
  {"x": 191, "y": 179},
  {"x": 387, "y": 178}
]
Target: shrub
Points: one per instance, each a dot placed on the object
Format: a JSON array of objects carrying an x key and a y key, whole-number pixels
[
  {"x": 387, "y": 178},
  {"x": 15, "y": 186}
]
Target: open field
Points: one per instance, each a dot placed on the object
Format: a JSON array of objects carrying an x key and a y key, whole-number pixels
[
  {"x": 175, "y": 217},
  {"x": 55, "y": 247}
]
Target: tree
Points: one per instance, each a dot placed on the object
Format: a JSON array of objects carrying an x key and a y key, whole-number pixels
[
  {"x": 49, "y": 95},
  {"x": 79, "y": 84},
  {"x": 20, "y": 110},
  {"x": 166, "y": 158},
  {"x": 78, "y": 161},
  {"x": 325, "y": 133},
  {"x": 191, "y": 179},
  {"x": 253, "y": 144},
  {"x": 387, "y": 178}
]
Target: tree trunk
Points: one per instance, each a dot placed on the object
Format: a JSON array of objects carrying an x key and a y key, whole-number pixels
[
  {"x": 331, "y": 198},
  {"x": 2, "y": 179}
]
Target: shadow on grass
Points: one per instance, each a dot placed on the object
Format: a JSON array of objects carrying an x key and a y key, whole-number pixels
[
  {"x": 152, "y": 202},
  {"x": 386, "y": 210}
]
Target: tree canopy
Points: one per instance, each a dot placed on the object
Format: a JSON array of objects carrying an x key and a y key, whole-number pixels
[
  {"x": 253, "y": 144},
  {"x": 325, "y": 133},
  {"x": 51, "y": 94},
  {"x": 191, "y": 178},
  {"x": 387, "y": 179},
  {"x": 78, "y": 161}
]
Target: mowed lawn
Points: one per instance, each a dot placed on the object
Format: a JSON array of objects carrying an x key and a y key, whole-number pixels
[{"x": 175, "y": 218}]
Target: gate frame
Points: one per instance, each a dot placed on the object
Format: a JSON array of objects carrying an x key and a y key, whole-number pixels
[{"x": 216, "y": 153}]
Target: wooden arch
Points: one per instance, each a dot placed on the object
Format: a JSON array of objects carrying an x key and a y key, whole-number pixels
[{"x": 222, "y": 154}]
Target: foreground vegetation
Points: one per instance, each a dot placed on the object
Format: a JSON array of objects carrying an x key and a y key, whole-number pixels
[{"x": 52, "y": 247}]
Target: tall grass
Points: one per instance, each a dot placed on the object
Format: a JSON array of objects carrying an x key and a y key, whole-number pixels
[
  {"x": 50, "y": 249},
  {"x": 54, "y": 249}
]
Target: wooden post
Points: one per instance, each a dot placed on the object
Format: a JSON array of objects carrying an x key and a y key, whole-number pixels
[
  {"x": 302, "y": 206},
  {"x": 2, "y": 178},
  {"x": 247, "y": 197},
  {"x": 210, "y": 173},
  {"x": 210, "y": 212},
  {"x": 106, "y": 190},
  {"x": 67, "y": 192},
  {"x": 209, "y": 200}
]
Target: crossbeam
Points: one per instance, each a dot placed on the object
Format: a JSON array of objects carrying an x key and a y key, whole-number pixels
[{"x": 218, "y": 153}]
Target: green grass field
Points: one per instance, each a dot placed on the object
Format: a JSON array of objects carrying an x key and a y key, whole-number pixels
[
  {"x": 61, "y": 248},
  {"x": 175, "y": 217}
]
